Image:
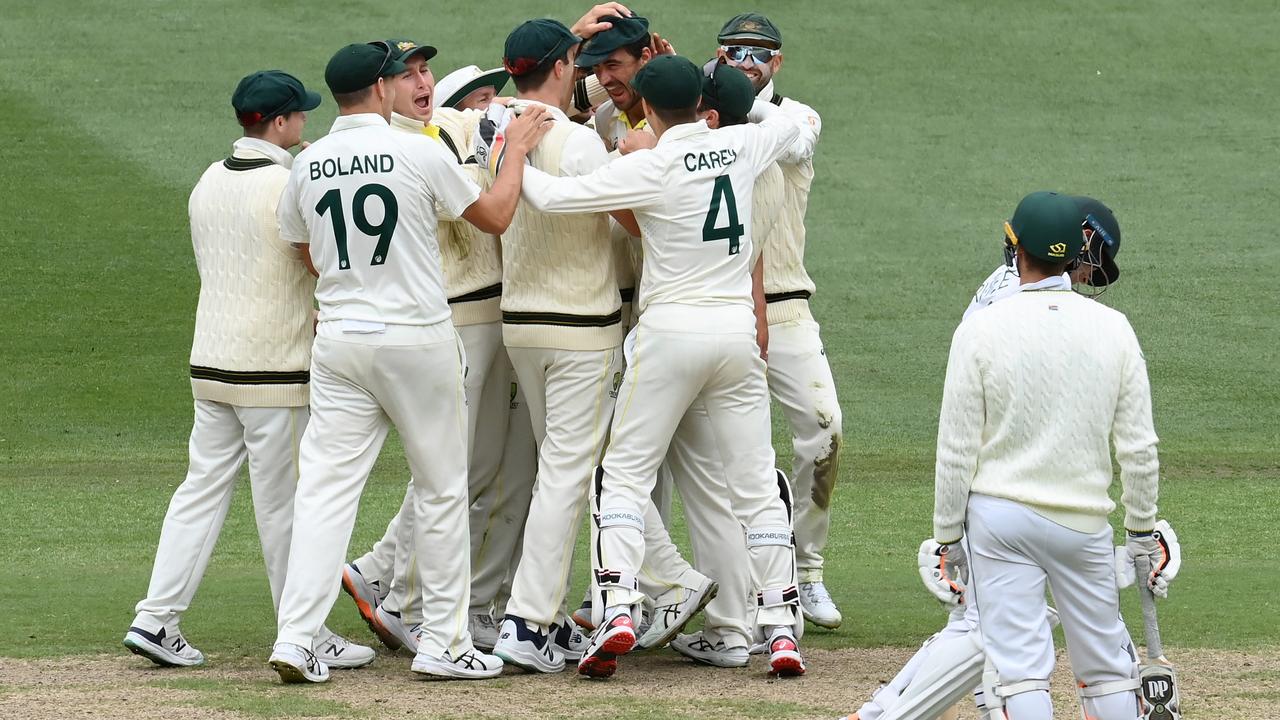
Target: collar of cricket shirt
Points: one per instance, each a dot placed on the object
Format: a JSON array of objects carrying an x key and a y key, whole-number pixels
[
  {"x": 644, "y": 122},
  {"x": 249, "y": 148},
  {"x": 404, "y": 122},
  {"x": 358, "y": 120},
  {"x": 767, "y": 92},
  {"x": 1057, "y": 282},
  {"x": 683, "y": 130}
]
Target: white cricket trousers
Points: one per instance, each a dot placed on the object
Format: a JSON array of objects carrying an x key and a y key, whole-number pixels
[
  {"x": 222, "y": 437},
  {"x": 498, "y": 514},
  {"x": 684, "y": 354},
  {"x": 361, "y": 382},
  {"x": 570, "y": 394},
  {"x": 719, "y": 545},
  {"x": 800, "y": 380},
  {"x": 1014, "y": 553},
  {"x": 487, "y": 378}
]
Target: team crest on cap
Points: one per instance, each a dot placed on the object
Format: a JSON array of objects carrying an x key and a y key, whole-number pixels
[
  {"x": 749, "y": 25},
  {"x": 405, "y": 45},
  {"x": 1058, "y": 249}
]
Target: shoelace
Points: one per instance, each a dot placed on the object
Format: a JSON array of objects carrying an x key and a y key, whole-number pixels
[
  {"x": 313, "y": 662},
  {"x": 817, "y": 592}
]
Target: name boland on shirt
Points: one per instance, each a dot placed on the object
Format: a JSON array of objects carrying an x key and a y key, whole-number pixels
[{"x": 364, "y": 197}]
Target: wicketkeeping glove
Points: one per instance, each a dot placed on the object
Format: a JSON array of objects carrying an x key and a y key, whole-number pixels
[
  {"x": 944, "y": 570},
  {"x": 1165, "y": 554}
]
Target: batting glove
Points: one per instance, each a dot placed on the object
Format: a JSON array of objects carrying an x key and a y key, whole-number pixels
[
  {"x": 944, "y": 570},
  {"x": 1162, "y": 549}
]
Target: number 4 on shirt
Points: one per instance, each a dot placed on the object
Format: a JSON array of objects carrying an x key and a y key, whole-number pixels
[
  {"x": 733, "y": 232},
  {"x": 331, "y": 202}
]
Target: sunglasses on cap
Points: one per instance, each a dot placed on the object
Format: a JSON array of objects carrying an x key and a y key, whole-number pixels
[
  {"x": 740, "y": 53},
  {"x": 385, "y": 58}
]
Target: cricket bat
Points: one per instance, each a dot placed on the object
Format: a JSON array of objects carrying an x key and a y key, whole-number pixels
[{"x": 1158, "y": 681}]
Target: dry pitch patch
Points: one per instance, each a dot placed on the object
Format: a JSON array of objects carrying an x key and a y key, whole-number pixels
[{"x": 1217, "y": 684}]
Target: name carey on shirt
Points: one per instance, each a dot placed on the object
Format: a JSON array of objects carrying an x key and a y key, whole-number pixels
[
  {"x": 357, "y": 165},
  {"x": 694, "y": 162}
]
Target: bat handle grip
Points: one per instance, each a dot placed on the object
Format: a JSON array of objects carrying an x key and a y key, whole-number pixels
[{"x": 1150, "y": 620}]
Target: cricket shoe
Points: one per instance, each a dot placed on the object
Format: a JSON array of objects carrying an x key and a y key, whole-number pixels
[
  {"x": 367, "y": 594},
  {"x": 569, "y": 640},
  {"x": 392, "y": 630},
  {"x": 527, "y": 649},
  {"x": 336, "y": 651},
  {"x": 784, "y": 655},
  {"x": 615, "y": 637},
  {"x": 470, "y": 665},
  {"x": 697, "y": 648},
  {"x": 673, "y": 609},
  {"x": 297, "y": 664},
  {"x": 484, "y": 632},
  {"x": 817, "y": 605},
  {"x": 164, "y": 648}
]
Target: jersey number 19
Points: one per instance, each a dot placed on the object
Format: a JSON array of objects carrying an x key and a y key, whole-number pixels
[
  {"x": 722, "y": 192},
  {"x": 331, "y": 203}
]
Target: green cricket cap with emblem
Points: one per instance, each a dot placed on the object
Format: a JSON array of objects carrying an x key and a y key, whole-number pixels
[
  {"x": 270, "y": 93},
  {"x": 727, "y": 90},
  {"x": 403, "y": 49},
  {"x": 534, "y": 44},
  {"x": 624, "y": 31},
  {"x": 1047, "y": 225},
  {"x": 669, "y": 82},
  {"x": 359, "y": 65},
  {"x": 750, "y": 26}
]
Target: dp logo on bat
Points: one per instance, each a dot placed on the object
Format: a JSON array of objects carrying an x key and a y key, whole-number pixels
[{"x": 1160, "y": 696}]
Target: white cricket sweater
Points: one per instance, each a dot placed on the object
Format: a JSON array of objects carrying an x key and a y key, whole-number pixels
[
  {"x": 253, "y": 333},
  {"x": 559, "y": 274},
  {"x": 787, "y": 285},
  {"x": 1037, "y": 387}
]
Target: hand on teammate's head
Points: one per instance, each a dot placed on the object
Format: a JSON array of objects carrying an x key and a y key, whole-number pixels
[{"x": 593, "y": 21}]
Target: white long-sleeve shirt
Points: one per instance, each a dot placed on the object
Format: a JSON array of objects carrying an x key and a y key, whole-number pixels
[
  {"x": 1038, "y": 385},
  {"x": 692, "y": 197}
]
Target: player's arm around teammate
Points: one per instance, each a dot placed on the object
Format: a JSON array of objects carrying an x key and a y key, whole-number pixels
[
  {"x": 712, "y": 322},
  {"x": 385, "y": 350}
]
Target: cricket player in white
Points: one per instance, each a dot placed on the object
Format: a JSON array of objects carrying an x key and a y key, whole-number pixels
[
  {"x": 949, "y": 664},
  {"x": 800, "y": 376},
  {"x": 363, "y": 200},
  {"x": 249, "y": 357},
  {"x": 473, "y": 280},
  {"x": 696, "y": 340},
  {"x": 692, "y": 457},
  {"x": 561, "y": 313},
  {"x": 1038, "y": 387}
]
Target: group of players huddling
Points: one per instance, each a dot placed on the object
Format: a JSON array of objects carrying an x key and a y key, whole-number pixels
[{"x": 581, "y": 295}]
